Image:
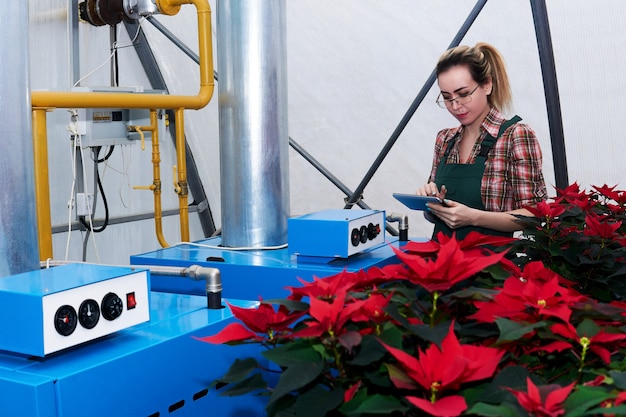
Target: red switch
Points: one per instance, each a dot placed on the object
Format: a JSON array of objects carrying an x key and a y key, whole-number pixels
[{"x": 131, "y": 302}]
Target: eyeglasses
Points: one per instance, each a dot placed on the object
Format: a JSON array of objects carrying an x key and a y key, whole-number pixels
[{"x": 461, "y": 99}]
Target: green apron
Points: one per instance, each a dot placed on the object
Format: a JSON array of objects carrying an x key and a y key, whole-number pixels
[{"x": 463, "y": 184}]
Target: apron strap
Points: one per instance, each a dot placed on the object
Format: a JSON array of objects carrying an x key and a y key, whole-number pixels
[{"x": 489, "y": 140}]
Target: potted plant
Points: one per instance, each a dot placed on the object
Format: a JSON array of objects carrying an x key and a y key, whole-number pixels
[{"x": 454, "y": 328}]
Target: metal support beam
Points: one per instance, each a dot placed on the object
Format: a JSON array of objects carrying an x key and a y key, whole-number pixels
[{"x": 551, "y": 90}]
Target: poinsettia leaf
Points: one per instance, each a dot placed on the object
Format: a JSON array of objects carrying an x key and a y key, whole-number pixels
[
  {"x": 350, "y": 340},
  {"x": 619, "y": 379},
  {"x": 490, "y": 410},
  {"x": 249, "y": 385},
  {"x": 295, "y": 377},
  {"x": 318, "y": 401},
  {"x": 620, "y": 410},
  {"x": 374, "y": 404},
  {"x": 292, "y": 305},
  {"x": 432, "y": 334},
  {"x": 587, "y": 328},
  {"x": 511, "y": 331},
  {"x": 371, "y": 351},
  {"x": 290, "y": 354},
  {"x": 581, "y": 400},
  {"x": 512, "y": 377},
  {"x": 239, "y": 370}
]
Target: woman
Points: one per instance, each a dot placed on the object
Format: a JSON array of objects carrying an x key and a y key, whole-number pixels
[{"x": 488, "y": 168}]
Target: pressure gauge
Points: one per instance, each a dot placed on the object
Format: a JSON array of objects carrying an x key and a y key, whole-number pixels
[
  {"x": 89, "y": 313},
  {"x": 65, "y": 320},
  {"x": 112, "y": 306}
]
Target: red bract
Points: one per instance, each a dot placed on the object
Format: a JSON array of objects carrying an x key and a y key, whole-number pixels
[
  {"x": 437, "y": 370},
  {"x": 597, "y": 343},
  {"x": 451, "y": 266},
  {"x": 450, "y": 406},
  {"x": 601, "y": 228},
  {"x": 608, "y": 192},
  {"x": 263, "y": 320},
  {"x": 537, "y": 294},
  {"x": 543, "y": 401},
  {"x": 329, "y": 319},
  {"x": 547, "y": 211},
  {"x": 326, "y": 288}
]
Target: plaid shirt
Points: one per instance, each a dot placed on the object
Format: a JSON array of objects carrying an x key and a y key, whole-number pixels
[{"x": 513, "y": 177}]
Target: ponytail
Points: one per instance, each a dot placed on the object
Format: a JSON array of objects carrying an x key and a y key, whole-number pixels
[{"x": 484, "y": 62}]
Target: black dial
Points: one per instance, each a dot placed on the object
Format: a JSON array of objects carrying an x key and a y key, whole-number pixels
[
  {"x": 112, "y": 306},
  {"x": 65, "y": 320},
  {"x": 89, "y": 314}
]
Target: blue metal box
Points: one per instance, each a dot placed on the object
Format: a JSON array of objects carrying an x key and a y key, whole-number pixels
[{"x": 158, "y": 368}]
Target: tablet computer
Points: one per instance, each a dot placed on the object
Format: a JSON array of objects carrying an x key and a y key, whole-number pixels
[{"x": 416, "y": 202}]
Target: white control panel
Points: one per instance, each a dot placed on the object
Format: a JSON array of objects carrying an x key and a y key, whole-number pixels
[{"x": 48, "y": 310}]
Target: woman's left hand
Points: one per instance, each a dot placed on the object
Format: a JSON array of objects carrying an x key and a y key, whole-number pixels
[{"x": 453, "y": 214}]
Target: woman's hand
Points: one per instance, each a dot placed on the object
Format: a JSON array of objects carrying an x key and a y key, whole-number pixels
[
  {"x": 453, "y": 214},
  {"x": 431, "y": 189}
]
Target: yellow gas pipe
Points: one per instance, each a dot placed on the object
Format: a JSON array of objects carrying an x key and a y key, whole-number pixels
[
  {"x": 156, "y": 174},
  {"x": 43, "y": 100}
]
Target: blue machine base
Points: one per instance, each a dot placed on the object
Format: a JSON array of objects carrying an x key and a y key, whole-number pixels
[
  {"x": 153, "y": 369},
  {"x": 248, "y": 275}
]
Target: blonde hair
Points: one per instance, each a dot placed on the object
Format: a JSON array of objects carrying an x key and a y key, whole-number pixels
[{"x": 484, "y": 62}]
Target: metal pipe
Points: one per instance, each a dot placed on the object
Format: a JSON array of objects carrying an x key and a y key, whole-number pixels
[
  {"x": 182, "y": 188},
  {"x": 18, "y": 227},
  {"x": 50, "y": 99},
  {"x": 40, "y": 155},
  {"x": 551, "y": 92},
  {"x": 156, "y": 174},
  {"x": 254, "y": 148},
  {"x": 416, "y": 103}
]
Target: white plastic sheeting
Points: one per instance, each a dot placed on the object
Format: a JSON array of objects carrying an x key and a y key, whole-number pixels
[{"x": 355, "y": 66}]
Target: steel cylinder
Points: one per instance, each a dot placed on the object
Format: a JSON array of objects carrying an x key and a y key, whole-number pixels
[
  {"x": 19, "y": 250},
  {"x": 254, "y": 141}
]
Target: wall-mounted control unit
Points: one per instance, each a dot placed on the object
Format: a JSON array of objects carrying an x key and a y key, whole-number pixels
[
  {"x": 336, "y": 233},
  {"x": 107, "y": 127},
  {"x": 48, "y": 310}
]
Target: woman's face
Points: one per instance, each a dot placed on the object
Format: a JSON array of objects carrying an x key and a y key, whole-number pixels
[{"x": 457, "y": 83}]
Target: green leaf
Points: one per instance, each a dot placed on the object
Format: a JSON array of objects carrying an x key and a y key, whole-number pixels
[
  {"x": 246, "y": 386},
  {"x": 587, "y": 328},
  {"x": 511, "y": 331},
  {"x": 295, "y": 377},
  {"x": 620, "y": 410},
  {"x": 374, "y": 404},
  {"x": 489, "y": 410},
  {"x": 619, "y": 379},
  {"x": 318, "y": 401},
  {"x": 371, "y": 351},
  {"x": 239, "y": 370},
  {"x": 512, "y": 377},
  {"x": 583, "y": 399},
  {"x": 290, "y": 354}
]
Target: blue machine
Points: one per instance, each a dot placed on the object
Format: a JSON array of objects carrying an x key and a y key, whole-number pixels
[
  {"x": 153, "y": 369},
  {"x": 247, "y": 275}
]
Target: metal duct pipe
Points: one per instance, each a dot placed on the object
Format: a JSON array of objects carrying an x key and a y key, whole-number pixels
[
  {"x": 19, "y": 250},
  {"x": 254, "y": 142}
]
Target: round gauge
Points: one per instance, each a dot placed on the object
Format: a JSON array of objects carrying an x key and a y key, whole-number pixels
[
  {"x": 89, "y": 314},
  {"x": 65, "y": 320},
  {"x": 112, "y": 306}
]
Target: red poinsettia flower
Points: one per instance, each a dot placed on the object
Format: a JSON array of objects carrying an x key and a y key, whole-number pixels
[
  {"x": 543, "y": 401},
  {"x": 601, "y": 228},
  {"x": 547, "y": 211},
  {"x": 328, "y": 319},
  {"x": 597, "y": 343},
  {"x": 450, "y": 406},
  {"x": 259, "y": 324},
  {"x": 537, "y": 293},
  {"x": 608, "y": 192},
  {"x": 451, "y": 265},
  {"x": 326, "y": 288},
  {"x": 473, "y": 240},
  {"x": 440, "y": 369}
]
